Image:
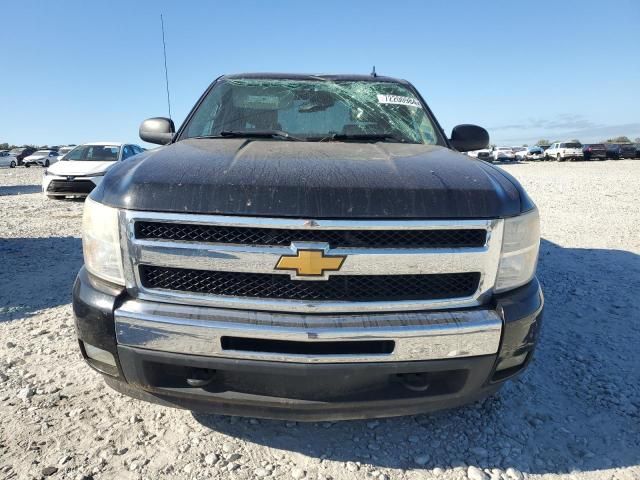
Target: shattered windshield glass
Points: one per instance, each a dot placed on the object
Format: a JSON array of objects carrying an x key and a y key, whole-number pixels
[{"x": 313, "y": 110}]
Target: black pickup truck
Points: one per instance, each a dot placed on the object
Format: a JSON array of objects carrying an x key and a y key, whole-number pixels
[
  {"x": 309, "y": 247},
  {"x": 618, "y": 151},
  {"x": 594, "y": 151}
]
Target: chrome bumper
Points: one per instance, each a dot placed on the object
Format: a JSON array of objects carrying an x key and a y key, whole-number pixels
[{"x": 198, "y": 330}]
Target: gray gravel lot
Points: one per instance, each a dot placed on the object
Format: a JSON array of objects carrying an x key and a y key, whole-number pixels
[{"x": 574, "y": 414}]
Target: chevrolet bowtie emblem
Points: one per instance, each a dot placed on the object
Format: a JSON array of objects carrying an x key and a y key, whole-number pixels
[{"x": 310, "y": 263}]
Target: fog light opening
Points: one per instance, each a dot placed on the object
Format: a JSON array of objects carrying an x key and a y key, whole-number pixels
[{"x": 99, "y": 355}]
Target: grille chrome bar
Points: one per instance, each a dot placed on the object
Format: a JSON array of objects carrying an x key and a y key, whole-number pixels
[
  {"x": 263, "y": 259},
  {"x": 396, "y": 239}
]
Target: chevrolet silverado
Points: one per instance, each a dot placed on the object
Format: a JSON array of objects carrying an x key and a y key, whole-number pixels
[{"x": 309, "y": 247}]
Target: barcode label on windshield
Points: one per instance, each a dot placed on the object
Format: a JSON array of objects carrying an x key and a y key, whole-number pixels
[{"x": 399, "y": 100}]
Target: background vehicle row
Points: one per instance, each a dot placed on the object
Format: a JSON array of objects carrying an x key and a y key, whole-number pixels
[
  {"x": 560, "y": 151},
  {"x": 28, "y": 156}
]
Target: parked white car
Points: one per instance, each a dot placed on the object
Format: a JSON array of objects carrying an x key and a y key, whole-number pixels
[
  {"x": 7, "y": 160},
  {"x": 519, "y": 153},
  {"x": 562, "y": 151},
  {"x": 62, "y": 151},
  {"x": 484, "y": 154},
  {"x": 84, "y": 167},
  {"x": 43, "y": 158},
  {"x": 503, "y": 154}
]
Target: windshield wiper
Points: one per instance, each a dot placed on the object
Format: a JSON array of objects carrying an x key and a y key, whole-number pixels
[
  {"x": 363, "y": 137},
  {"x": 259, "y": 134}
]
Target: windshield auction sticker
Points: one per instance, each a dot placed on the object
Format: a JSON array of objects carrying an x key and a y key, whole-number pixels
[{"x": 399, "y": 100}]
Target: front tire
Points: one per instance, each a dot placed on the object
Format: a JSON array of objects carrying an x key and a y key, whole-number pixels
[
  {"x": 27, "y": 165},
  {"x": 12, "y": 164},
  {"x": 46, "y": 163},
  {"x": 559, "y": 158}
]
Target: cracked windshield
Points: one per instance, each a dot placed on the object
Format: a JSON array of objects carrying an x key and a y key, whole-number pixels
[{"x": 322, "y": 110}]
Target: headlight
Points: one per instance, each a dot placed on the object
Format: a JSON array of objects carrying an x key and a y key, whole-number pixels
[
  {"x": 520, "y": 245},
  {"x": 101, "y": 242}
]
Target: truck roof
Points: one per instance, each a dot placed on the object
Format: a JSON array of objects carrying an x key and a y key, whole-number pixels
[{"x": 321, "y": 76}]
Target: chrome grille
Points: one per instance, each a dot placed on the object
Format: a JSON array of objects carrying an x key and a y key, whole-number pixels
[{"x": 390, "y": 265}]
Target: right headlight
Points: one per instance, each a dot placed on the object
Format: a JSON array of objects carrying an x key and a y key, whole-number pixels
[
  {"x": 101, "y": 242},
  {"x": 520, "y": 245}
]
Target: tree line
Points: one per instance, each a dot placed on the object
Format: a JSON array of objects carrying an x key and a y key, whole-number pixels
[{"x": 9, "y": 146}]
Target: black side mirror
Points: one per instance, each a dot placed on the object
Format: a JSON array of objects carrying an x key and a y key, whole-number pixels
[
  {"x": 465, "y": 138},
  {"x": 159, "y": 130}
]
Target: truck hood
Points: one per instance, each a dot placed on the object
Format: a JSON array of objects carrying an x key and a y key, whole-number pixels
[
  {"x": 78, "y": 167},
  {"x": 311, "y": 180}
]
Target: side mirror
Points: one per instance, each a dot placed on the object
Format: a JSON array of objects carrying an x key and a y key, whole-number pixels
[
  {"x": 465, "y": 138},
  {"x": 159, "y": 130}
]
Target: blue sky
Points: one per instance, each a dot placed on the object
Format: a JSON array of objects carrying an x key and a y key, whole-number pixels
[{"x": 77, "y": 71}]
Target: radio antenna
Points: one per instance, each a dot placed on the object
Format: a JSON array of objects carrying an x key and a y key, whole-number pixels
[{"x": 166, "y": 74}]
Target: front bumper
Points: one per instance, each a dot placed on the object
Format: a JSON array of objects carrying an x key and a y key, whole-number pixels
[{"x": 306, "y": 367}]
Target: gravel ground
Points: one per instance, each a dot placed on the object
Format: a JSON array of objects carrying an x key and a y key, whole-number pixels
[{"x": 574, "y": 414}]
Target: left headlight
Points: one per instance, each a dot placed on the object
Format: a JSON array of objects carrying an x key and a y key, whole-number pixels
[
  {"x": 101, "y": 242},
  {"x": 519, "y": 257}
]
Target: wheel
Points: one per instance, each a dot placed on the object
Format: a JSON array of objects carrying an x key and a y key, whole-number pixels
[
  {"x": 12, "y": 164},
  {"x": 559, "y": 158},
  {"x": 546, "y": 157},
  {"x": 46, "y": 163},
  {"x": 27, "y": 165}
]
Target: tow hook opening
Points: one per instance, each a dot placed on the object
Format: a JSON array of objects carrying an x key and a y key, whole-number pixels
[
  {"x": 200, "y": 377},
  {"x": 416, "y": 382},
  {"x": 432, "y": 383}
]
